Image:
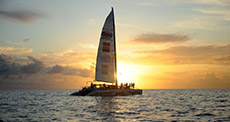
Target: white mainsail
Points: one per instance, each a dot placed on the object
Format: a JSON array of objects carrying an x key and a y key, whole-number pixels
[{"x": 106, "y": 55}]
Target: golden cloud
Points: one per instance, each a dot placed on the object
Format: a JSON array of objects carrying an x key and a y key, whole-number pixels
[
  {"x": 15, "y": 50},
  {"x": 68, "y": 58},
  {"x": 196, "y": 76},
  {"x": 187, "y": 55}
]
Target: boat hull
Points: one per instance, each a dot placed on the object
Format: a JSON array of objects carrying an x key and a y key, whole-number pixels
[{"x": 111, "y": 92}]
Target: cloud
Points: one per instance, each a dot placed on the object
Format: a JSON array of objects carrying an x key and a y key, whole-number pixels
[
  {"x": 155, "y": 38},
  {"x": 72, "y": 58},
  {"x": 4, "y": 59},
  {"x": 56, "y": 69},
  {"x": 33, "y": 67},
  {"x": 15, "y": 50},
  {"x": 194, "y": 50},
  {"x": 26, "y": 40},
  {"x": 43, "y": 81},
  {"x": 9, "y": 66},
  {"x": 200, "y": 23},
  {"x": 211, "y": 81},
  {"x": 36, "y": 74},
  {"x": 187, "y": 55},
  {"x": 67, "y": 70},
  {"x": 213, "y": 15},
  {"x": 225, "y": 58},
  {"x": 14, "y": 44},
  {"x": 213, "y": 2},
  {"x": 193, "y": 77},
  {"x": 137, "y": 27},
  {"x": 21, "y": 16},
  {"x": 68, "y": 52},
  {"x": 225, "y": 14},
  {"x": 204, "y": 2},
  {"x": 146, "y": 4}
]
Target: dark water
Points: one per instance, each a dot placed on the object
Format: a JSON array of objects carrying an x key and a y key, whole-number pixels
[{"x": 153, "y": 105}]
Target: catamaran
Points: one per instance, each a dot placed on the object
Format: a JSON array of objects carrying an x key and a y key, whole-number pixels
[{"x": 106, "y": 67}]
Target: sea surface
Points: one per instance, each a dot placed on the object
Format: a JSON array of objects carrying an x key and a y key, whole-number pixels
[{"x": 153, "y": 105}]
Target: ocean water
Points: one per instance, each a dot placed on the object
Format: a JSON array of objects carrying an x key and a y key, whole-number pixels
[{"x": 153, "y": 105}]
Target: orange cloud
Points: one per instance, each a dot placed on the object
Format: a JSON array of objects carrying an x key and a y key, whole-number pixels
[
  {"x": 185, "y": 77},
  {"x": 15, "y": 50},
  {"x": 68, "y": 57},
  {"x": 187, "y": 55}
]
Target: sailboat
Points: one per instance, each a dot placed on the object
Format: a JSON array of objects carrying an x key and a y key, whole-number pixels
[{"x": 106, "y": 67}]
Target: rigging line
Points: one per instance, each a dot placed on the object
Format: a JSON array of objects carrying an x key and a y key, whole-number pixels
[{"x": 120, "y": 57}]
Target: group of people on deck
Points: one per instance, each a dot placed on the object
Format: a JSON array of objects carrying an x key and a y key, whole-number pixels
[
  {"x": 127, "y": 85},
  {"x": 122, "y": 86}
]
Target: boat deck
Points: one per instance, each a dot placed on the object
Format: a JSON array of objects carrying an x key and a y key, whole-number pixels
[{"x": 107, "y": 91}]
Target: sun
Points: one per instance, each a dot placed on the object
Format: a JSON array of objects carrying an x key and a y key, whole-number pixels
[{"x": 125, "y": 73}]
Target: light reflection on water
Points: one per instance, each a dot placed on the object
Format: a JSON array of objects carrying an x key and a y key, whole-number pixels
[
  {"x": 106, "y": 107},
  {"x": 153, "y": 105}
]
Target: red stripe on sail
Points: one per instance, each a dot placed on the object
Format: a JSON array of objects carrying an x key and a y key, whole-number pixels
[
  {"x": 106, "y": 43},
  {"x": 106, "y": 49}
]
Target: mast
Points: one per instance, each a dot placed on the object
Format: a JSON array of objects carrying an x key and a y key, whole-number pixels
[{"x": 115, "y": 53}]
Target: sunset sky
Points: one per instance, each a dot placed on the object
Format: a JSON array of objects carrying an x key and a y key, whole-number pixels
[{"x": 161, "y": 44}]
